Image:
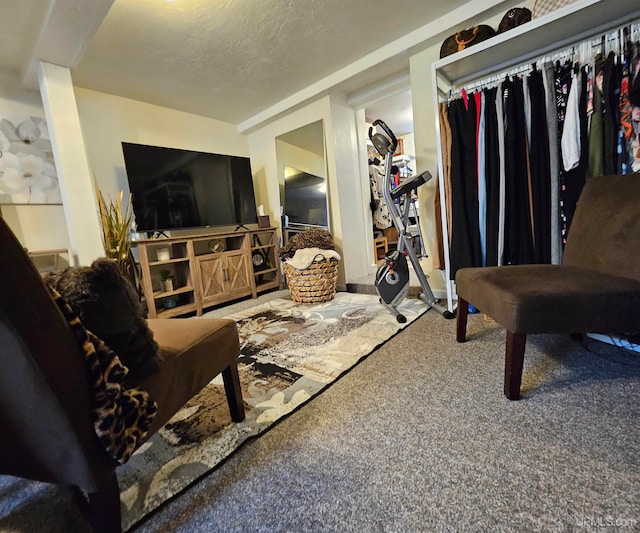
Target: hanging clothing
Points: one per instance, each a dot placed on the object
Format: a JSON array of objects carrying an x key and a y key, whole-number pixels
[
  {"x": 502, "y": 187},
  {"x": 540, "y": 169},
  {"x": 465, "y": 235},
  {"x": 381, "y": 215},
  {"x": 445, "y": 149},
  {"x": 518, "y": 245},
  {"x": 570, "y": 142},
  {"x": 521, "y": 153},
  {"x": 492, "y": 176},
  {"x": 596, "y": 127},
  {"x": 554, "y": 161},
  {"x": 575, "y": 178},
  {"x": 626, "y": 110},
  {"x": 562, "y": 88},
  {"x": 611, "y": 113},
  {"x": 634, "y": 98},
  {"x": 482, "y": 178}
]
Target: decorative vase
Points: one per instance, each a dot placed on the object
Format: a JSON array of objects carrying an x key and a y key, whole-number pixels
[
  {"x": 164, "y": 254},
  {"x": 168, "y": 285}
]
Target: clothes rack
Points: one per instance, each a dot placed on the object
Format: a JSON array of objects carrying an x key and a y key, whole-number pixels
[{"x": 568, "y": 33}]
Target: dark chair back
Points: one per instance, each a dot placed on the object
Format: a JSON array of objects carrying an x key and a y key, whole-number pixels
[
  {"x": 45, "y": 410},
  {"x": 605, "y": 231}
]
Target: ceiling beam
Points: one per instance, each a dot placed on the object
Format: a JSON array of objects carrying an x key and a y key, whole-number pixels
[{"x": 65, "y": 33}]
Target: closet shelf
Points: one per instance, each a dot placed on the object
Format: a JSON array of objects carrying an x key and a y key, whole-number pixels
[
  {"x": 556, "y": 31},
  {"x": 401, "y": 159},
  {"x": 562, "y": 27}
]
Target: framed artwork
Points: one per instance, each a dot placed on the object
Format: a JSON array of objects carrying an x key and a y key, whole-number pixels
[{"x": 27, "y": 170}]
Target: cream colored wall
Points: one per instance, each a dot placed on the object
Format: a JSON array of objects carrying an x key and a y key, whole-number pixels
[
  {"x": 293, "y": 156},
  {"x": 263, "y": 150},
  {"x": 109, "y": 120},
  {"x": 343, "y": 178},
  {"x": 351, "y": 207},
  {"x": 38, "y": 227}
]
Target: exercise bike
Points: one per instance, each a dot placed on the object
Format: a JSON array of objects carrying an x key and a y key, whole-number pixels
[{"x": 392, "y": 277}]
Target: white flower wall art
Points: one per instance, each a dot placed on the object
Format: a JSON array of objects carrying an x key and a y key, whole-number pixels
[{"x": 27, "y": 171}]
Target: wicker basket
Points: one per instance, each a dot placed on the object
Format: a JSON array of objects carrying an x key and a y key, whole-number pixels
[{"x": 315, "y": 284}]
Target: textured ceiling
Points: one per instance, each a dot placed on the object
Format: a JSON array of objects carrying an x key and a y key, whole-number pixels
[{"x": 226, "y": 59}]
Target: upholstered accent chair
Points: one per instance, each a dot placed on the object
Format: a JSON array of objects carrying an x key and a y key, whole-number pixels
[
  {"x": 45, "y": 395},
  {"x": 596, "y": 289}
]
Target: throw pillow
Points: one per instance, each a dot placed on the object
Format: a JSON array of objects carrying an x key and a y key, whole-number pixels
[
  {"x": 309, "y": 238},
  {"x": 108, "y": 306}
]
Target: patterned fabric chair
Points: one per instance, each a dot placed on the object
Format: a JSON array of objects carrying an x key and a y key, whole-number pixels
[
  {"x": 596, "y": 289},
  {"x": 45, "y": 393}
]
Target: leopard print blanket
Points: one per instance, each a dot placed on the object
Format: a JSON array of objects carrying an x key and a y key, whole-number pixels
[{"x": 121, "y": 416}]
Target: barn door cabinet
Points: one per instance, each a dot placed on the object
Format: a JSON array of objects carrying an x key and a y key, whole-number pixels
[{"x": 208, "y": 269}]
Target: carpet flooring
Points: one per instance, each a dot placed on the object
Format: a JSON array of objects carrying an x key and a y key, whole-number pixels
[
  {"x": 419, "y": 437},
  {"x": 288, "y": 354}
]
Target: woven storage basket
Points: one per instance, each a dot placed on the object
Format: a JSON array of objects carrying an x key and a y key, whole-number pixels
[{"x": 315, "y": 284}]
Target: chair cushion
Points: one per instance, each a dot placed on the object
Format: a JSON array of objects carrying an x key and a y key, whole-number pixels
[
  {"x": 552, "y": 298},
  {"x": 194, "y": 351}
]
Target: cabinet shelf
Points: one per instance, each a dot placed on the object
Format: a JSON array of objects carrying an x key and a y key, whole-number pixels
[
  {"x": 169, "y": 261},
  {"x": 208, "y": 270},
  {"x": 180, "y": 290},
  {"x": 176, "y": 311}
]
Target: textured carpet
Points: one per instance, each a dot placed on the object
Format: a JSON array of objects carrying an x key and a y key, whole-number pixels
[
  {"x": 289, "y": 353},
  {"x": 419, "y": 437}
]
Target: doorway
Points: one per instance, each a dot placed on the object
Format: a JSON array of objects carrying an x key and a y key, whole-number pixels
[{"x": 396, "y": 111}]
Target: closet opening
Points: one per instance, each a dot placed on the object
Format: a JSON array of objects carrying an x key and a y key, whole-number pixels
[{"x": 396, "y": 110}]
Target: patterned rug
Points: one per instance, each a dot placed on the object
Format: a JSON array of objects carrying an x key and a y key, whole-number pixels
[{"x": 289, "y": 353}]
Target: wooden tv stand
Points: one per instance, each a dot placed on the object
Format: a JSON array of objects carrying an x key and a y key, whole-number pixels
[{"x": 208, "y": 269}]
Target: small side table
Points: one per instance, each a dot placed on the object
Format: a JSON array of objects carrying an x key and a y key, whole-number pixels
[{"x": 380, "y": 248}]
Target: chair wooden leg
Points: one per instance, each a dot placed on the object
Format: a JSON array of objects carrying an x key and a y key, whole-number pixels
[
  {"x": 105, "y": 507},
  {"x": 513, "y": 362},
  {"x": 461, "y": 322},
  {"x": 232, "y": 389}
]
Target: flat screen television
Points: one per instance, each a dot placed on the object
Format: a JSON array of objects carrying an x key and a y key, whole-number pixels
[
  {"x": 305, "y": 198},
  {"x": 180, "y": 189}
]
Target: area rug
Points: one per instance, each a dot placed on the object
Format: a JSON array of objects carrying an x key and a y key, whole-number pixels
[{"x": 289, "y": 353}]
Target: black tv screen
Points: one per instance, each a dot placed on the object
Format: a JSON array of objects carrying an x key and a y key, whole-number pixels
[
  {"x": 305, "y": 198},
  {"x": 175, "y": 189}
]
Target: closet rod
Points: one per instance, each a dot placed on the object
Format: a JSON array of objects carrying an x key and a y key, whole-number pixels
[{"x": 564, "y": 44}]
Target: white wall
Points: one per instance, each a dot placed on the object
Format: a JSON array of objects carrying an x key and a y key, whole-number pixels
[
  {"x": 346, "y": 214},
  {"x": 296, "y": 157},
  {"x": 109, "y": 120}
]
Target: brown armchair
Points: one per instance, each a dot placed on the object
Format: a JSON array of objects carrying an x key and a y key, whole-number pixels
[
  {"x": 596, "y": 289},
  {"x": 45, "y": 393}
]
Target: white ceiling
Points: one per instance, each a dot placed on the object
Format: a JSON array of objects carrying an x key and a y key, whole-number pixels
[{"x": 225, "y": 59}]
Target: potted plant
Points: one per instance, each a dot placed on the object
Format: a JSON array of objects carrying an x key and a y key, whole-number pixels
[
  {"x": 167, "y": 280},
  {"x": 117, "y": 226}
]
